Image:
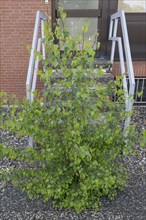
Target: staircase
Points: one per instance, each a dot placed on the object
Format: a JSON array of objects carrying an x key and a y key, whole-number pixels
[{"x": 37, "y": 45}]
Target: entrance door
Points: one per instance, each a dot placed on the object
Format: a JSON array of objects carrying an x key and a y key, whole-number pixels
[
  {"x": 98, "y": 13},
  {"x": 78, "y": 12},
  {"x": 136, "y": 22},
  {"x": 135, "y": 11}
]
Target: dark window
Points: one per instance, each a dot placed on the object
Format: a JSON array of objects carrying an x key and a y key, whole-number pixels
[{"x": 136, "y": 24}]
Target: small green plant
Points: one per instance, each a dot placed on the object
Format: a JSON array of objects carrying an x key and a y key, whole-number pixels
[{"x": 76, "y": 127}]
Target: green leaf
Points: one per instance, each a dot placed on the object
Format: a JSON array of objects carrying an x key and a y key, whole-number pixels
[{"x": 77, "y": 129}]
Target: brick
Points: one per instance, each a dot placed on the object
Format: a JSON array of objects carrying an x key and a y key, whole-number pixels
[
  {"x": 138, "y": 66},
  {"x": 17, "y": 25}
]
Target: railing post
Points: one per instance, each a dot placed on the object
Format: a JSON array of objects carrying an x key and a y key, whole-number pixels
[
  {"x": 113, "y": 37},
  {"x": 33, "y": 65},
  {"x": 39, "y": 17},
  {"x": 34, "y": 81},
  {"x": 114, "y": 42},
  {"x": 31, "y": 60}
]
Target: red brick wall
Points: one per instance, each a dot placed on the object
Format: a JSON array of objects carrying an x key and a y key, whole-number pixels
[
  {"x": 139, "y": 68},
  {"x": 17, "y": 18}
]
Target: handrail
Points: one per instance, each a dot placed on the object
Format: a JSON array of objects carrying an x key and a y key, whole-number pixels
[
  {"x": 40, "y": 18},
  {"x": 33, "y": 64},
  {"x": 113, "y": 37}
]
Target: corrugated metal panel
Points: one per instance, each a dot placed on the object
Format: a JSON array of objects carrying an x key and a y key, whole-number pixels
[{"x": 140, "y": 90}]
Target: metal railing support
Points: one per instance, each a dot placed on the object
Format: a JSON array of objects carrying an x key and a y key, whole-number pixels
[
  {"x": 34, "y": 81},
  {"x": 113, "y": 37},
  {"x": 33, "y": 64},
  {"x": 39, "y": 16},
  {"x": 43, "y": 37}
]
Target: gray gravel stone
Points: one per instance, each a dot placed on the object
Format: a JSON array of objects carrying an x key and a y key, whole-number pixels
[{"x": 128, "y": 205}]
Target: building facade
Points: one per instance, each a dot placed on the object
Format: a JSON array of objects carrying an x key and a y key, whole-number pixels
[
  {"x": 17, "y": 19},
  {"x": 17, "y": 24}
]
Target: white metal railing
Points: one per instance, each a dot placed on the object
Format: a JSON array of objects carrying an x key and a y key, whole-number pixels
[
  {"x": 33, "y": 64},
  {"x": 123, "y": 49}
]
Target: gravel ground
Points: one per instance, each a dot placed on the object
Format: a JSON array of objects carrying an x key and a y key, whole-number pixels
[{"x": 128, "y": 205}]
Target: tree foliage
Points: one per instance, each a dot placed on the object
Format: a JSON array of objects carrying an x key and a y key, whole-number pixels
[{"x": 76, "y": 127}]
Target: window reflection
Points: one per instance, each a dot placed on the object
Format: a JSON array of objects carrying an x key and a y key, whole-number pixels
[
  {"x": 136, "y": 6},
  {"x": 79, "y": 4},
  {"x": 74, "y": 26}
]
